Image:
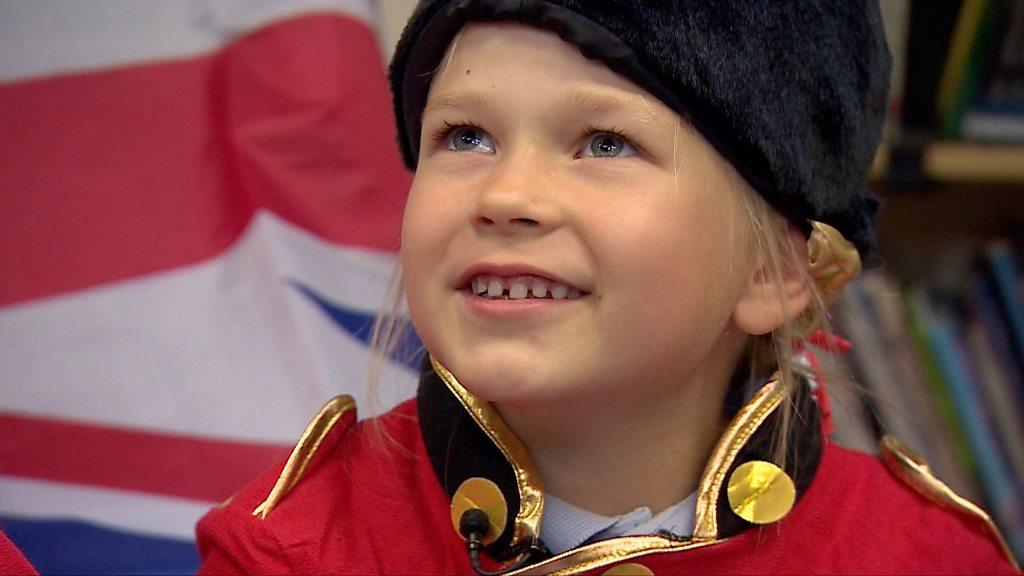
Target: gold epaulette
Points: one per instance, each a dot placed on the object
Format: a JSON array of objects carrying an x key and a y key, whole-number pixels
[
  {"x": 308, "y": 443},
  {"x": 912, "y": 469}
]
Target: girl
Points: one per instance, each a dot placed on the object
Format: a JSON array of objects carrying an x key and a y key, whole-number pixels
[{"x": 625, "y": 218}]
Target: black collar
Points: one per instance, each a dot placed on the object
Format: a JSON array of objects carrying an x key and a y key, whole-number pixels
[{"x": 466, "y": 438}]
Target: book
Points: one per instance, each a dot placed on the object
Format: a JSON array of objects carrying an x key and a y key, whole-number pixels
[
  {"x": 997, "y": 389},
  {"x": 968, "y": 47},
  {"x": 908, "y": 373},
  {"x": 917, "y": 313},
  {"x": 896, "y": 19},
  {"x": 877, "y": 373},
  {"x": 930, "y": 29},
  {"x": 1000, "y": 490},
  {"x": 1006, "y": 280},
  {"x": 982, "y": 97}
]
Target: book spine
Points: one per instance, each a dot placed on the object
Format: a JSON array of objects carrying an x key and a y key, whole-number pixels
[
  {"x": 918, "y": 315},
  {"x": 965, "y": 38},
  {"x": 1006, "y": 279},
  {"x": 954, "y": 363}
]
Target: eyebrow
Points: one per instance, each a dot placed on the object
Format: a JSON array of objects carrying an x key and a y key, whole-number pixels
[
  {"x": 594, "y": 101},
  {"x": 584, "y": 100},
  {"x": 456, "y": 100}
]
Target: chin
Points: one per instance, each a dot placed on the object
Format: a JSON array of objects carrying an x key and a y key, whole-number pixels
[{"x": 508, "y": 377}]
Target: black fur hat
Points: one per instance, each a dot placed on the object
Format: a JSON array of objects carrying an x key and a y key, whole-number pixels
[{"x": 793, "y": 93}]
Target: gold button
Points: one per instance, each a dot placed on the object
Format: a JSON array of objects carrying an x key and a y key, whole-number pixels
[
  {"x": 483, "y": 494},
  {"x": 761, "y": 492},
  {"x": 628, "y": 569}
]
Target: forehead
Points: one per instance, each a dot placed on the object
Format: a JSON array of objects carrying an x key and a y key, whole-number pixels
[{"x": 486, "y": 60}]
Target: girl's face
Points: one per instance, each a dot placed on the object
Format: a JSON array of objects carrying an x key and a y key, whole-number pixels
[{"x": 540, "y": 169}]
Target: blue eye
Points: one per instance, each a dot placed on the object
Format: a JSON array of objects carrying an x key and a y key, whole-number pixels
[
  {"x": 607, "y": 145},
  {"x": 470, "y": 139}
]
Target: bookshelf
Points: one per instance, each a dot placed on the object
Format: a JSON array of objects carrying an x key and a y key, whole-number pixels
[
  {"x": 940, "y": 307},
  {"x": 946, "y": 195},
  {"x": 967, "y": 163},
  {"x": 943, "y": 194},
  {"x": 951, "y": 210}
]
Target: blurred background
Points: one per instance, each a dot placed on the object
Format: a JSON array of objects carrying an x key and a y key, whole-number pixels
[
  {"x": 937, "y": 321},
  {"x": 199, "y": 212}
]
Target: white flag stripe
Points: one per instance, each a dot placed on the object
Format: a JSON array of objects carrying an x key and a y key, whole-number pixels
[
  {"x": 142, "y": 514},
  {"x": 228, "y": 348},
  {"x": 43, "y": 38}
]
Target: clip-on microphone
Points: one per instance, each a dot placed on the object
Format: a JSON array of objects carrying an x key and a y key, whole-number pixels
[{"x": 473, "y": 525}]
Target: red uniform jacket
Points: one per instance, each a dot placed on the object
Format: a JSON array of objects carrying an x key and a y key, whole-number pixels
[{"x": 376, "y": 496}]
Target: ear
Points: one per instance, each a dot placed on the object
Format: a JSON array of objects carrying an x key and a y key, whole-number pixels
[{"x": 766, "y": 304}]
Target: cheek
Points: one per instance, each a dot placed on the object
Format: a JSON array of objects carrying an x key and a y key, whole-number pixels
[
  {"x": 673, "y": 284},
  {"x": 413, "y": 219},
  {"x": 423, "y": 245},
  {"x": 425, "y": 224}
]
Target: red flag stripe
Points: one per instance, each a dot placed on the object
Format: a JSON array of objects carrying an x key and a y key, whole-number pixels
[
  {"x": 114, "y": 174},
  {"x": 170, "y": 465}
]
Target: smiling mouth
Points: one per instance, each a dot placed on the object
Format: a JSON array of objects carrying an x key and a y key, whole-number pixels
[{"x": 521, "y": 288}]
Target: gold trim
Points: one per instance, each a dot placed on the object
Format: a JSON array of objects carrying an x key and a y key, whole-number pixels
[
  {"x": 912, "y": 469},
  {"x": 746, "y": 422},
  {"x": 742, "y": 427},
  {"x": 832, "y": 261},
  {"x": 531, "y": 490},
  {"x": 304, "y": 450},
  {"x": 598, "y": 554},
  {"x": 606, "y": 552}
]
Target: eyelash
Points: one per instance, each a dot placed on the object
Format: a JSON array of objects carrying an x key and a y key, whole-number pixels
[
  {"x": 593, "y": 129},
  {"x": 441, "y": 134}
]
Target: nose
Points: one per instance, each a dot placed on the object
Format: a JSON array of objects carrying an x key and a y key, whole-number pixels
[{"x": 515, "y": 198}]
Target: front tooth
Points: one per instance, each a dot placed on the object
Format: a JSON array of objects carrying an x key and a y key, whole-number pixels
[
  {"x": 559, "y": 291},
  {"x": 517, "y": 291},
  {"x": 479, "y": 285},
  {"x": 574, "y": 293},
  {"x": 540, "y": 289},
  {"x": 494, "y": 288}
]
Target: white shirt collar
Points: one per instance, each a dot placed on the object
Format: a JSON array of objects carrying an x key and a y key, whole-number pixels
[{"x": 564, "y": 526}]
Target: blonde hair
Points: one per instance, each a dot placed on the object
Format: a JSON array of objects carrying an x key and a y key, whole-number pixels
[{"x": 776, "y": 350}]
